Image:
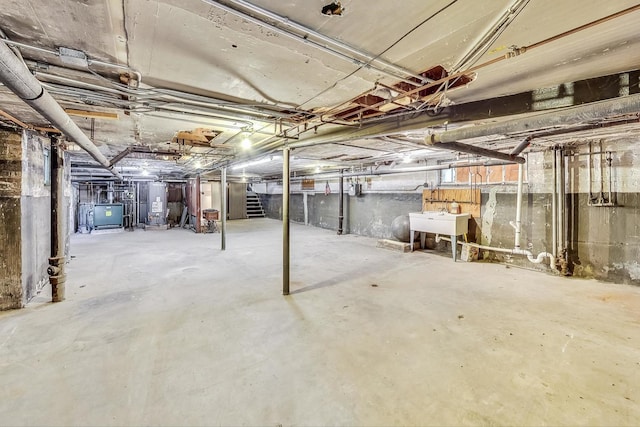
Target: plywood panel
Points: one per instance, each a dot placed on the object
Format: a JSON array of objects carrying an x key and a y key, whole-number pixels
[
  {"x": 237, "y": 201},
  {"x": 439, "y": 198}
]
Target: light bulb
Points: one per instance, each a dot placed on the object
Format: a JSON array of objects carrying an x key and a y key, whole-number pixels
[{"x": 246, "y": 143}]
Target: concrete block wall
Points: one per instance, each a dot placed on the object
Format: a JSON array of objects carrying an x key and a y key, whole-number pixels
[
  {"x": 605, "y": 241},
  {"x": 369, "y": 214}
]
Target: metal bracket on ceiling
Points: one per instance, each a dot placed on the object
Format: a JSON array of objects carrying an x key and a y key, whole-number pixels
[
  {"x": 515, "y": 51},
  {"x": 74, "y": 57}
]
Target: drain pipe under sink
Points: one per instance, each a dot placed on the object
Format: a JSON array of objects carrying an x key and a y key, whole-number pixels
[
  {"x": 536, "y": 260},
  {"x": 517, "y": 225}
]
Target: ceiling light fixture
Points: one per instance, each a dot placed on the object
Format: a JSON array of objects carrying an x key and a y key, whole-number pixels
[
  {"x": 253, "y": 163},
  {"x": 246, "y": 134}
]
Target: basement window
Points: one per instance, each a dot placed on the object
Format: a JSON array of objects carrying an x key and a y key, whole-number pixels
[
  {"x": 308, "y": 184},
  {"x": 46, "y": 167},
  {"x": 447, "y": 176}
]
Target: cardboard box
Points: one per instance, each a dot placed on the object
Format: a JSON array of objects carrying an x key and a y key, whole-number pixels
[{"x": 469, "y": 253}]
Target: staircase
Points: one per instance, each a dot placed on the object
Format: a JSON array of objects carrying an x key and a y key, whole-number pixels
[{"x": 254, "y": 206}]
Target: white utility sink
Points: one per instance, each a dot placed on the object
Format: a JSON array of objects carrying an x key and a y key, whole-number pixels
[{"x": 439, "y": 223}]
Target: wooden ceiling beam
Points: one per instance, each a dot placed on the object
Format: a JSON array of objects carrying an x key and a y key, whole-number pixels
[
  {"x": 27, "y": 126},
  {"x": 91, "y": 114}
]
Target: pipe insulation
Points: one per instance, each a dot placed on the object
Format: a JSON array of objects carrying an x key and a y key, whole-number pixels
[
  {"x": 362, "y": 173},
  {"x": 472, "y": 149},
  {"x": 16, "y": 76},
  {"x": 557, "y": 117}
]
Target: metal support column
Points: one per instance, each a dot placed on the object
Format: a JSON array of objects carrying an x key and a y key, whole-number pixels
[
  {"x": 554, "y": 209},
  {"x": 56, "y": 270},
  {"x": 341, "y": 202},
  {"x": 285, "y": 220},
  {"x": 223, "y": 213},
  {"x": 198, "y": 205},
  {"x": 137, "y": 204}
]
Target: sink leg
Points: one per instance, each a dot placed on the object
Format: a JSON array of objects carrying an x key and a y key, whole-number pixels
[
  {"x": 423, "y": 237},
  {"x": 454, "y": 246},
  {"x": 411, "y": 239}
]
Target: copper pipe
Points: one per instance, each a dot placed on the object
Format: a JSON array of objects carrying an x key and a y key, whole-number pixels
[{"x": 509, "y": 55}]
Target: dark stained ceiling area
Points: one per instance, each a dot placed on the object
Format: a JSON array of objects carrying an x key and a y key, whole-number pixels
[{"x": 167, "y": 89}]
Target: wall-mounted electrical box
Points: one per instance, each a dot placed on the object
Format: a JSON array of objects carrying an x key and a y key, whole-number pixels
[{"x": 355, "y": 189}]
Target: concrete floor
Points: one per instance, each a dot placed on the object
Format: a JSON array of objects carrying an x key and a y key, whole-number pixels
[{"x": 162, "y": 328}]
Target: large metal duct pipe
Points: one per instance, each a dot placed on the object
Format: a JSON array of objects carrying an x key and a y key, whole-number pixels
[{"x": 20, "y": 81}]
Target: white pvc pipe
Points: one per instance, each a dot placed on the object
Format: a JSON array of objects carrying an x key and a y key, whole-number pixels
[
  {"x": 518, "y": 225},
  {"x": 536, "y": 260}
]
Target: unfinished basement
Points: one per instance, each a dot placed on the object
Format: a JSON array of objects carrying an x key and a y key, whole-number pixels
[{"x": 256, "y": 212}]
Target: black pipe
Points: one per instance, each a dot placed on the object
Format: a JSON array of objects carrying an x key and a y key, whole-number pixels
[
  {"x": 224, "y": 189},
  {"x": 286, "y": 180},
  {"x": 522, "y": 146},
  {"x": 573, "y": 115},
  {"x": 56, "y": 270},
  {"x": 472, "y": 149},
  {"x": 341, "y": 202}
]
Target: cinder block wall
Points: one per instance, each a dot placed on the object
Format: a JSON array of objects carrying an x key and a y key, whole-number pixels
[{"x": 366, "y": 215}]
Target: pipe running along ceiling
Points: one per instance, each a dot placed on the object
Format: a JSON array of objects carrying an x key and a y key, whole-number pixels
[{"x": 347, "y": 90}]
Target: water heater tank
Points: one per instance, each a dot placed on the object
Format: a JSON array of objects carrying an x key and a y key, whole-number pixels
[{"x": 158, "y": 210}]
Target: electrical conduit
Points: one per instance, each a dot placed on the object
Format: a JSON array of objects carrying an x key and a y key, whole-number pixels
[{"x": 16, "y": 76}]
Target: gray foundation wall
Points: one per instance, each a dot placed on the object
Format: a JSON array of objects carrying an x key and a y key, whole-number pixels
[
  {"x": 36, "y": 215},
  {"x": 366, "y": 215},
  {"x": 605, "y": 241},
  {"x": 602, "y": 243},
  {"x": 25, "y": 213}
]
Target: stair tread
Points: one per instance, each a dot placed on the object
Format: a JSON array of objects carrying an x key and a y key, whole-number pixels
[{"x": 254, "y": 206}]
